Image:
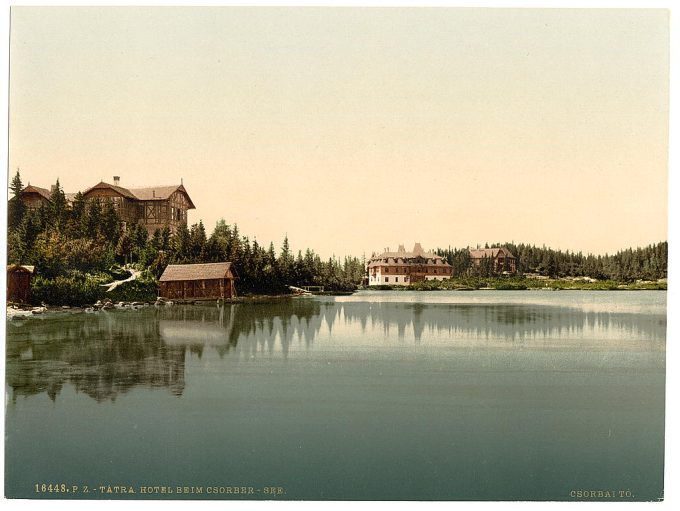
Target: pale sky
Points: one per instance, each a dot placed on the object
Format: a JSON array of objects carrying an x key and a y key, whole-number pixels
[{"x": 353, "y": 130}]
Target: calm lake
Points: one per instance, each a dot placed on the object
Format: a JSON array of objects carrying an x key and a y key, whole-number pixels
[{"x": 484, "y": 395}]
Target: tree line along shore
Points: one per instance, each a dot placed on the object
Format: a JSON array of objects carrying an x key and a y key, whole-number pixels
[
  {"x": 521, "y": 283},
  {"x": 79, "y": 247}
]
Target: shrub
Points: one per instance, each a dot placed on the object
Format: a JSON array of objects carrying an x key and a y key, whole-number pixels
[
  {"x": 509, "y": 286},
  {"x": 143, "y": 289},
  {"x": 118, "y": 273},
  {"x": 66, "y": 290},
  {"x": 55, "y": 255}
]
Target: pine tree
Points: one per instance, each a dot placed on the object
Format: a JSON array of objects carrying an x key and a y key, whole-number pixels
[
  {"x": 94, "y": 218},
  {"x": 166, "y": 235},
  {"x": 30, "y": 229},
  {"x": 156, "y": 240},
  {"x": 17, "y": 208},
  {"x": 181, "y": 242},
  {"x": 271, "y": 254},
  {"x": 285, "y": 262},
  {"x": 234, "y": 247},
  {"x": 124, "y": 247},
  {"x": 58, "y": 205},
  {"x": 139, "y": 236},
  {"x": 77, "y": 223},
  {"x": 110, "y": 223},
  {"x": 197, "y": 242}
]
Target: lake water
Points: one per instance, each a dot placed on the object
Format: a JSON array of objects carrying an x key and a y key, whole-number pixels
[{"x": 379, "y": 395}]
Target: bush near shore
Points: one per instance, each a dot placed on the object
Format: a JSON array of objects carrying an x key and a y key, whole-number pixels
[
  {"x": 78, "y": 288},
  {"x": 523, "y": 283}
]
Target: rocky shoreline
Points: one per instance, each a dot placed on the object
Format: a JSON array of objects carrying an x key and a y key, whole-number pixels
[
  {"x": 21, "y": 311},
  {"x": 17, "y": 311}
]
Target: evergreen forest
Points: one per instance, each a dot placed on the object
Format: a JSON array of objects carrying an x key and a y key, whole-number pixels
[{"x": 78, "y": 246}]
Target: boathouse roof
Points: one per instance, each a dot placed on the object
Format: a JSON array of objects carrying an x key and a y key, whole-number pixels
[
  {"x": 205, "y": 271},
  {"x": 21, "y": 267}
]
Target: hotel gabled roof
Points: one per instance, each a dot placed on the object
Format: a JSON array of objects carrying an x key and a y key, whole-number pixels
[
  {"x": 37, "y": 189},
  {"x": 479, "y": 253},
  {"x": 160, "y": 193},
  {"x": 146, "y": 194},
  {"x": 102, "y": 185},
  {"x": 383, "y": 258}
]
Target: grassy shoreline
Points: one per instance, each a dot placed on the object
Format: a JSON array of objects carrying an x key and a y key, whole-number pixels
[
  {"x": 524, "y": 284},
  {"x": 86, "y": 290}
]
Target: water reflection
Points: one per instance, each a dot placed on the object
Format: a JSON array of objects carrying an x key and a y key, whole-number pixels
[
  {"x": 504, "y": 321},
  {"x": 104, "y": 355}
]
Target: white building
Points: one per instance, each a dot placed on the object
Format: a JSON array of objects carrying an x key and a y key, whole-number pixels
[{"x": 403, "y": 268}]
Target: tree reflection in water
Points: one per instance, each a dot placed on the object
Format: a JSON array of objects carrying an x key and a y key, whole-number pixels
[{"x": 106, "y": 354}]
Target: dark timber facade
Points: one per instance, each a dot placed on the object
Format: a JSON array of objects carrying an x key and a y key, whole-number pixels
[
  {"x": 35, "y": 197},
  {"x": 154, "y": 207},
  {"x": 209, "y": 281},
  {"x": 19, "y": 283},
  {"x": 499, "y": 258}
]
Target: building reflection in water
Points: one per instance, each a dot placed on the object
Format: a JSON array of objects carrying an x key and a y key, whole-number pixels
[{"x": 106, "y": 354}]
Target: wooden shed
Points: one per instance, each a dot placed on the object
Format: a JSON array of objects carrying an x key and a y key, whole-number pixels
[
  {"x": 19, "y": 283},
  {"x": 208, "y": 281}
]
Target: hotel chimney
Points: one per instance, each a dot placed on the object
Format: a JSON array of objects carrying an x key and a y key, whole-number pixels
[{"x": 116, "y": 180}]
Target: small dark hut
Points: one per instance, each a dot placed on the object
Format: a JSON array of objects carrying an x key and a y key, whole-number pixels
[
  {"x": 19, "y": 283},
  {"x": 209, "y": 281}
]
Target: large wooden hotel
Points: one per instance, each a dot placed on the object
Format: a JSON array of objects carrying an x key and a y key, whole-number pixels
[{"x": 154, "y": 207}]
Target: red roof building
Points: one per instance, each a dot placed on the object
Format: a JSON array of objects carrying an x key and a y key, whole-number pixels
[{"x": 500, "y": 257}]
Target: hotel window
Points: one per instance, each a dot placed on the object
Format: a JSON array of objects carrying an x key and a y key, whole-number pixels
[
  {"x": 396, "y": 279},
  {"x": 387, "y": 279}
]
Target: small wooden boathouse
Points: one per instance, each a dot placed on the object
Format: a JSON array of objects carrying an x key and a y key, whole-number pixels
[
  {"x": 19, "y": 283},
  {"x": 208, "y": 281}
]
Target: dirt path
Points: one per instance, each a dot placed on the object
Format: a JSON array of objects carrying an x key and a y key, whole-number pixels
[{"x": 113, "y": 285}]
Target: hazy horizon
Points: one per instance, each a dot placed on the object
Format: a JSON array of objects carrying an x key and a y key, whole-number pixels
[{"x": 355, "y": 129}]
